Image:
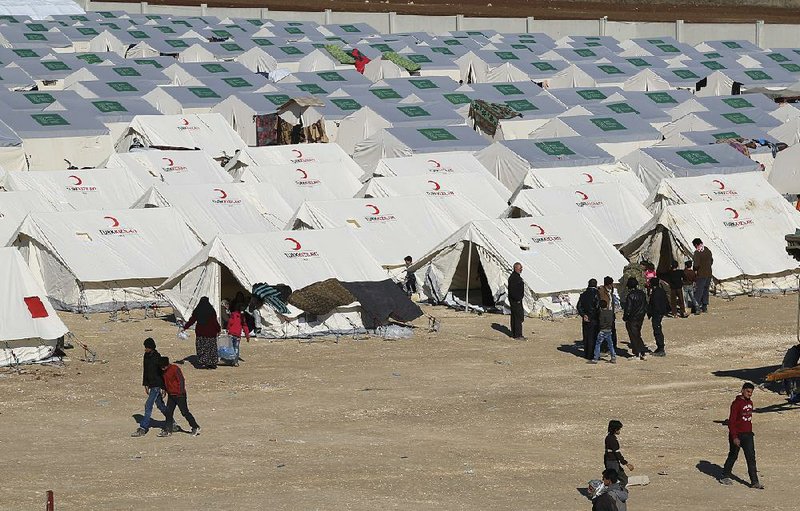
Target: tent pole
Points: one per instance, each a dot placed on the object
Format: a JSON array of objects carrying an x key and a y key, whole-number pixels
[{"x": 469, "y": 267}]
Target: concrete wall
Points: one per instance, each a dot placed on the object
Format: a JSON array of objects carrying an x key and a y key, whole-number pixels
[{"x": 775, "y": 36}]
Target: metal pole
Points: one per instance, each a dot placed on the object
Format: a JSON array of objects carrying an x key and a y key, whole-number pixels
[{"x": 469, "y": 267}]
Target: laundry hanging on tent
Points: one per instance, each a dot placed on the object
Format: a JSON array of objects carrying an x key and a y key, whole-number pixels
[
  {"x": 274, "y": 296},
  {"x": 322, "y": 297},
  {"x": 361, "y": 60},
  {"x": 487, "y": 116}
]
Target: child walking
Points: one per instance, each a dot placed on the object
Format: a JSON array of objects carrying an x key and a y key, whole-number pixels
[
  {"x": 606, "y": 325},
  {"x": 236, "y": 326},
  {"x": 175, "y": 386}
]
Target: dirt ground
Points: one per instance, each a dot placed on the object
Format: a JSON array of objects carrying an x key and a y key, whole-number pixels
[
  {"x": 461, "y": 419},
  {"x": 692, "y": 11}
]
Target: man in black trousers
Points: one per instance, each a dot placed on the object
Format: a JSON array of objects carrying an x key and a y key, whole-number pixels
[
  {"x": 516, "y": 293},
  {"x": 589, "y": 311}
]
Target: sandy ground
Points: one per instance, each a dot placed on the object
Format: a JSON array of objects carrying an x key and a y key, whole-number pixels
[
  {"x": 461, "y": 419},
  {"x": 692, "y": 11}
]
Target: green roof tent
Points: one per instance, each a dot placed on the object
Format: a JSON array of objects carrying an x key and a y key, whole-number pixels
[
  {"x": 51, "y": 138},
  {"x": 655, "y": 163},
  {"x": 618, "y": 135},
  {"x": 391, "y": 142},
  {"x": 511, "y": 160},
  {"x": 184, "y": 99}
]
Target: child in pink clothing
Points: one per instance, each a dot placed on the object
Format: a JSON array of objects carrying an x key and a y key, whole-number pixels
[{"x": 236, "y": 326}]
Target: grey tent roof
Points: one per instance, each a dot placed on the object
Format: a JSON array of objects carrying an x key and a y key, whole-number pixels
[
  {"x": 693, "y": 161},
  {"x": 583, "y": 95},
  {"x": 558, "y": 152},
  {"x": 435, "y": 139},
  {"x": 611, "y": 128},
  {"x": 52, "y": 124}
]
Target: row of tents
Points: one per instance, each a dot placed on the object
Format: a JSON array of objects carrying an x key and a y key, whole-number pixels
[{"x": 150, "y": 161}]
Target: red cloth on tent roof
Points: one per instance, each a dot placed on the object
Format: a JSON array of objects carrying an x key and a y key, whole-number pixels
[{"x": 361, "y": 60}]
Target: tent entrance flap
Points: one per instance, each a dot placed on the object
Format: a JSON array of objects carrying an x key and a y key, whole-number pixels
[
  {"x": 470, "y": 276},
  {"x": 229, "y": 285},
  {"x": 665, "y": 255}
]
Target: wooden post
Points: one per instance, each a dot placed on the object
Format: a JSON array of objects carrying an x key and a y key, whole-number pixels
[{"x": 50, "y": 502}]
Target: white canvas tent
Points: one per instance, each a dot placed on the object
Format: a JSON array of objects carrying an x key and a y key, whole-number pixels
[
  {"x": 233, "y": 262},
  {"x": 301, "y": 154},
  {"x": 653, "y": 164},
  {"x": 585, "y": 176},
  {"x": 455, "y": 162},
  {"x": 209, "y": 132},
  {"x": 482, "y": 190},
  {"x": 391, "y": 227},
  {"x": 133, "y": 251},
  {"x": 30, "y": 328},
  {"x": 746, "y": 239},
  {"x": 14, "y": 207},
  {"x": 214, "y": 209},
  {"x": 785, "y": 174},
  {"x": 150, "y": 167},
  {"x": 79, "y": 190},
  {"x": 615, "y": 211},
  {"x": 510, "y": 160},
  {"x": 552, "y": 250},
  {"x": 394, "y": 142},
  {"x": 747, "y": 186},
  {"x": 297, "y": 183}
]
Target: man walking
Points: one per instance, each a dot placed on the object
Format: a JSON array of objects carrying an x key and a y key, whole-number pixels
[
  {"x": 656, "y": 310},
  {"x": 740, "y": 436},
  {"x": 152, "y": 382},
  {"x": 516, "y": 293},
  {"x": 635, "y": 309},
  {"x": 175, "y": 386},
  {"x": 589, "y": 310},
  {"x": 703, "y": 261}
]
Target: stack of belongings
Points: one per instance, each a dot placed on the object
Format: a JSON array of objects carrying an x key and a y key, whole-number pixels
[
  {"x": 380, "y": 301},
  {"x": 487, "y": 115}
]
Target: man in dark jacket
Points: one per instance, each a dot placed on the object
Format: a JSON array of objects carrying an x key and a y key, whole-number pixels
[
  {"x": 635, "y": 309},
  {"x": 675, "y": 280},
  {"x": 152, "y": 382},
  {"x": 703, "y": 261},
  {"x": 589, "y": 311},
  {"x": 516, "y": 293},
  {"x": 656, "y": 310}
]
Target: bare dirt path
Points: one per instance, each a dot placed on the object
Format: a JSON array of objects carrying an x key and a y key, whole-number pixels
[{"x": 462, "y": 419}]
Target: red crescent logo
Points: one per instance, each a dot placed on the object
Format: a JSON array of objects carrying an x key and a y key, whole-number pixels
[
  {"x": 222, "y": 193},
  {"x": 436, "y": 186},
  {"x": 720, "y": 183},
  {"x": 583, "y": 195},
  {"x": 297, "y": 153},
  {"x": 169, "y": 161},
  {"x": 735, "y": 213},
  {"x": 589, "y": 178},
  {"x": 114, "y": 221},
  {"x": 376, "y": 211},
  {"x": 541, "y": 229},
  {"x": 435, "y": 163},
  {"x": 297, "y": 245},
  {"x": 185, "y": 122},
  {"x": 305, "y": 174},
  {"x": 78, "y": 181}
]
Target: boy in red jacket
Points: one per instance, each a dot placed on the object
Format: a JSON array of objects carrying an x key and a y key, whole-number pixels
[
  {"x": 175, "y": 386},
  {"x": 740, "y": 436}
]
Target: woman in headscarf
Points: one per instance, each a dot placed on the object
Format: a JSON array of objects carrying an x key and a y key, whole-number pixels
[{"x": 206, "y": 333}]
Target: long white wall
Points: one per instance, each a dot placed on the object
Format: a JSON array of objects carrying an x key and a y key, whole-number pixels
[{"x": 765, "y": 35}]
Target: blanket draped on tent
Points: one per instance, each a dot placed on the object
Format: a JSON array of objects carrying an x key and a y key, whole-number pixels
[
  {"x": 321, "y": 298},
  {"x": 487, "y": 115},
  {"x": 274, "y": 296},
  {"x": 381, "y": 301},
  {"x": 339, "y": 54}
]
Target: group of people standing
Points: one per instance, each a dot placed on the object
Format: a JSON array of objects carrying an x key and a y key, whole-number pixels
[{"x": 646, "y": 294}]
